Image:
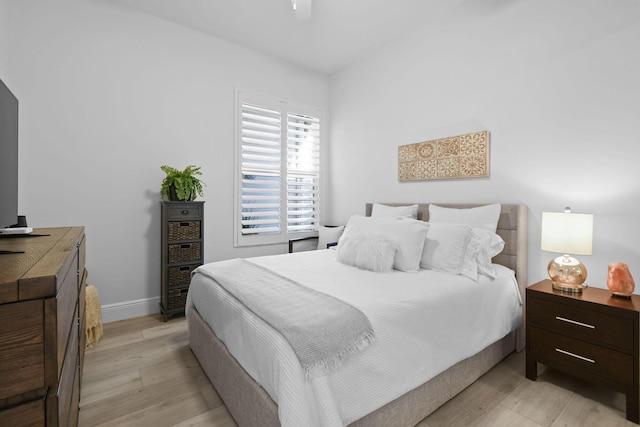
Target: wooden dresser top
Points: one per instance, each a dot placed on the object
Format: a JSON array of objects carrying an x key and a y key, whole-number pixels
[{"x": 36, "y": 272}]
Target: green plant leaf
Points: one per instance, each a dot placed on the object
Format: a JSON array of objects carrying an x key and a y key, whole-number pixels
[{"x": 187, "y": 185}]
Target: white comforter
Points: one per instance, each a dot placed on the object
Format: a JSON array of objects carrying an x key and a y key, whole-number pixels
[{"x": 424, "y": 323}]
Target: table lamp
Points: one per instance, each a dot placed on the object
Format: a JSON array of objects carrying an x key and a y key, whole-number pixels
[{"x": 567, "y": 233}]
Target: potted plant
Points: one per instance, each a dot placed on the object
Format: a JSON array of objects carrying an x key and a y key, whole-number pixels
[{"x": 181, "y": 185}]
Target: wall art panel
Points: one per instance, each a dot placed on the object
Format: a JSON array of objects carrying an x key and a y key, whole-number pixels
[{"x": 462, "y": 156}]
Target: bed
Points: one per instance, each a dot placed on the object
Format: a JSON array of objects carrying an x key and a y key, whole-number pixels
[{"x": 252, "y": 405}]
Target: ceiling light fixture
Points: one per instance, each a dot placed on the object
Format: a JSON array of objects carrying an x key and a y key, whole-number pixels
[{"x": 302, "y": 9}]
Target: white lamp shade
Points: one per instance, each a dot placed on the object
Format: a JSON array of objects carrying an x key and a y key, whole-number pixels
[{"x": 567, "y": 233}]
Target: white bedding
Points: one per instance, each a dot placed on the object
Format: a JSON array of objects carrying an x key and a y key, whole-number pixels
[{"x": 424, "y": 323}]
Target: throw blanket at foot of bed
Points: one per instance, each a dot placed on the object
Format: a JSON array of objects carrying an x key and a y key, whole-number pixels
[{"x": 322, "y": 330}]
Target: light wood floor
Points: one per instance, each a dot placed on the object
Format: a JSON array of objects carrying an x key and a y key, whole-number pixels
[{"x": 142, "y": 373}]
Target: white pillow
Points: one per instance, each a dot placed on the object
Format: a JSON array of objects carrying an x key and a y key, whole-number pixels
[
  {"x": 408, "y": 234},
  {"x": 491, "y": 245},
  {"x": 372, "y": 252},
  {"x": 485, "y": 217},
  {"x": 451, "y": 248},
  {"x": 328, "y": 235},
  {"x": 380, "y": 210}
]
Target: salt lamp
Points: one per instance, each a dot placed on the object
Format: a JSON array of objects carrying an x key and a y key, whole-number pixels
[{"x": 619, "y": 280}]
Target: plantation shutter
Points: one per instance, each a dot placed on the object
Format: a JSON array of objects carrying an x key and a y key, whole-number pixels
[
  {"x": 303, "y": 172},
  {"x": 261, "y": 169},
  {"x": 278, "y": 148}
]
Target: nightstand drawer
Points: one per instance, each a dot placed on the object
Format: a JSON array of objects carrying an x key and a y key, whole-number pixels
[
  {"x": 575, "y": 356},
  {"x": 582, "y": 323}
]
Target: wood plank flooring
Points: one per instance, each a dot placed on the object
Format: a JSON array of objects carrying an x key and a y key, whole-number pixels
[{"x": 142, "y": 373}]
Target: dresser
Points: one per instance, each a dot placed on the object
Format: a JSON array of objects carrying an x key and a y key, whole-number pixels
[
  {"x": 592, "y": 335},
  {"x": 42, "y": 285},
  {"x": 182, "y": 251}
]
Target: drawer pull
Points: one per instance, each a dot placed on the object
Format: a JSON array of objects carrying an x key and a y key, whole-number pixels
[
  {"x": 575, "y": 355},
  {"x": 575, "y": 322}
]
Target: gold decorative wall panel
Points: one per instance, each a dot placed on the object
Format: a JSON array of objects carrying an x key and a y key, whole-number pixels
[{"x": 462, "y": 156}]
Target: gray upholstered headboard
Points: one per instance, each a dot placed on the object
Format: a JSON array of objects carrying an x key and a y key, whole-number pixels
[{"x": 512, "y": 227}]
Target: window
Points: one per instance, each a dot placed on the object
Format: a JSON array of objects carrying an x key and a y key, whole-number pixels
[{"x": 278, "y": 184}]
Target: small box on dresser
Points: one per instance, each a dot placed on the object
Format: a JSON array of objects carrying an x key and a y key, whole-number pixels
[
  {"x": 41, "y": 327},
  {"x": 592, "y": 335},
  {"x": 182, "y": 252}
]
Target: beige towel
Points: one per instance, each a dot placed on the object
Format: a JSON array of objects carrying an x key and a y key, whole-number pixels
[{"x": 94, "y": 316}]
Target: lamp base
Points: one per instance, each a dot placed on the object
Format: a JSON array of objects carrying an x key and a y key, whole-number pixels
[
  {"x": 567, "y": 274},
  {"x": 568, "y": 288}
]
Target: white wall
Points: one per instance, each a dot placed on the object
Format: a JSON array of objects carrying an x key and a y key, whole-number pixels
[
  {"x": 4, "y": 41},
  {"x": 108, "y": 95},
  {"x": 556, "y": 83}
]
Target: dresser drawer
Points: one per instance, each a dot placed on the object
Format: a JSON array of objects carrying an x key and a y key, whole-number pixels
[
  {"x": 582, "y": 323},
  {"x": 68, "y": 377},
  {"x": 184, "y": 252},
  {"x": 30, "y": 414},
  {"x": 82, "y": 324},
  {"x": 184, "y": 211},
  {"x": 183, "y": 230},
  {"x": 177, "y": 298},
  {"x": 180, "y": 275},
  {"x": 22, "y": 348},
  {"x": 66, "y": 303},
  {"x": 578, "y": 356}
]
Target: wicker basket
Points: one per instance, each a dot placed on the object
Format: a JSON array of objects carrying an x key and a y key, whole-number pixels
[
  {"x": 184, "y": 230},
  {"x": 180, "y": 275},
  {"x": 184, "y": 252},
  {"x": 176, "y": 298}
]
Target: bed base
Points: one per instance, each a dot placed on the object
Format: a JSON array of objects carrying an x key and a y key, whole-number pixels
[{"x": 251, "y": 406}]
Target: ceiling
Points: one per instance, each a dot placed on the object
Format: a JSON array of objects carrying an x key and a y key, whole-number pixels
[{"x": 338, "y": 32}]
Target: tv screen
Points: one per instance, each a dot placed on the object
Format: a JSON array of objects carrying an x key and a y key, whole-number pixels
[{"x": 8, "y": 157}]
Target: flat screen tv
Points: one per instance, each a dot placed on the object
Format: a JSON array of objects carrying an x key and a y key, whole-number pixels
[{"x": 8, "y": 157}]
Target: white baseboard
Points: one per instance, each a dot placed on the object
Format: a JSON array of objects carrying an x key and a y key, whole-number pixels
[{"x": 130, "y": 309}]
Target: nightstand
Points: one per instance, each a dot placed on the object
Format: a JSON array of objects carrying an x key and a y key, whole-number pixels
[{"x": 592, "y": 335}]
